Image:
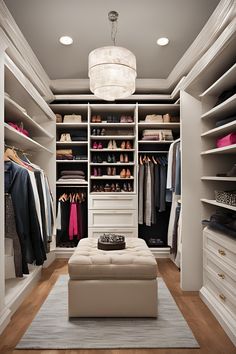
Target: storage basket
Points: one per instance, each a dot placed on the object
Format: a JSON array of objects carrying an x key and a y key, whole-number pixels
[{"x": 226, "y": 197}]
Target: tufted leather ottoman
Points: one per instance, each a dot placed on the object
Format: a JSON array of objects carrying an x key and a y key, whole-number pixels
[{"x": 112, "y": 283}]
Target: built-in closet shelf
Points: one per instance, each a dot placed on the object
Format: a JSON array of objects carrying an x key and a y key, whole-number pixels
[
  {"x": 215, "y": 178},
  {"x": 112, "y": 193},
  {"x": 115, "y": 125},
  {"x": 112, "y": 150},
  {"x": 104, "y": 177},
  {"x": 72, "y": 143},
  {"x": 153, "y": 152},
  {"x": 155, "y": 142},
  {"x": 224, "y": 129},
  {"x": 72, "y": 161},
  {"x": 59, "y": 183},
  {"x": 222, "y": 110},
  {"x": 19, "y": 140},
  {"x": 145, "y": 125},
  {"x": 225, "y": 82},
  {"x": 215, "y": 203},
  {"x": 70, "y": 108},
  {"x": 231, "y": 149},
  {"x": 158, "y": 108},
  {"x": 112, "y": 163},
  {"x": 72, "y": 125},
  {"x": 17, "y": 114},
  {"x": 115, "y": 137}
]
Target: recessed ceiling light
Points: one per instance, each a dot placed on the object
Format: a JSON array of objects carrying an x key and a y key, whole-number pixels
[
  {"x": 162, "y": 41},
  {"x": 66, "y": 40}
]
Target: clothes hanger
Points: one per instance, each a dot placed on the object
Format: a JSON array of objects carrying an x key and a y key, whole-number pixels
[{"x": 153, "y": 159}]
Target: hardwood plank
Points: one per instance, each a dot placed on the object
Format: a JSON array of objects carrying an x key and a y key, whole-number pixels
[{"x": 208, "y": 332}]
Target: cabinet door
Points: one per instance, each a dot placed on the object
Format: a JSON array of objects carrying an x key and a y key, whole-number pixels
[{"x": 112, "y": 218}]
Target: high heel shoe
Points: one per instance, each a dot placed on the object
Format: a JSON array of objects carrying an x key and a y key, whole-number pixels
[
  {"x": 128, "y": 145},
  {"x": 100, "y": 146},
  {"x": 94, "y": 132},
  {"x": 130, "y": 189},
  {"x": 114, "y": 146},
  {"x": 118, "y": 187},
  {"x": 126, "y": 158},
  {"x": 94, "y": 118},
  {"x": 109, "y": 158},
  {"x": 103, "y": 131},
  {"x": 128, "y": 173},
  {"x": 125, "y": 189},
  {"x": 107, "y": 188},
  {"x": 95, "y": 159},
  {"x": 113, "y": 187},
  {"x": 122, "y": 146},
  {"x": 113, "y": 159},
  {"x": 98, "y": 119},
  {"x": 95, "y": 172},
  {"x": 109, "y": 171},
  {"x": 98, "y": 132},
  {"x": 123, "y": 173},
  {"x": 110, "y": 145},
  {"x": 113, "y": 171},
  {"x": 95, "y": 145},
  {"x": 121, "y": 158}
]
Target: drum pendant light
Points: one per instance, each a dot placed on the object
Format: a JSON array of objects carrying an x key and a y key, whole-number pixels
[{"x": 112, "y": 70}]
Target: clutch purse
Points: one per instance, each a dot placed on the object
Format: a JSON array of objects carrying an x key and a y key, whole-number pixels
[{"x": 72, "y": 118}]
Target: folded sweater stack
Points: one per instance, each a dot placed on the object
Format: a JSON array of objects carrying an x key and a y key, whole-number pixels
[
  {"x": 157, "y": 134},
  {"x": 72, "y": 176}
]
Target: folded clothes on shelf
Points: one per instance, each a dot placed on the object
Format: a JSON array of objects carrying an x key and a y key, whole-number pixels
[
  {"x": 72, "y": 172},
  {"x": 223, "y": 221},
  {"x": 154, "y": 118},
  {"x": 157, "y": 134},
  {"x": 225, "y": 121},
  {"x": 19, "y": 128},
  {"x": 230, "y": 173},
  {"x": 64, "y": 151},
  {"x": 226, "y": 140},
  {"x": 72, "y": 118},
  {"x": 72, "y": 177}
]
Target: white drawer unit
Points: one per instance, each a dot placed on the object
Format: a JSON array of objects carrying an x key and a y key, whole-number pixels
[
  {"x": 220, "y": 245},
  {"x": 128, "y": 232},
  {"x": 112, "y": 218},
  {"x": 114, "y": 202},
  {"x": 221, "y": 271}
]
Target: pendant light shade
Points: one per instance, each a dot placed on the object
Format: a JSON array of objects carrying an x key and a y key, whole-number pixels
[{"x": 112, "y": 72}]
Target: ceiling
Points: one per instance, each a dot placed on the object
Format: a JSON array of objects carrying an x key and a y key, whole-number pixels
[{"x": 141, "y": 22}]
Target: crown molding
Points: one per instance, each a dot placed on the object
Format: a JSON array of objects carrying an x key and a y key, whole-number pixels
[{"x": 221, "y": 17}]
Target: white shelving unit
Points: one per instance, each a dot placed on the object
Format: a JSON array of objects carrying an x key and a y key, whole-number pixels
[
  {"x": 231, "y": 149},
  {"x": 219, "y": 131},
  {"x": 214, "y": 178},
  {"x": 221, "y": 205}
]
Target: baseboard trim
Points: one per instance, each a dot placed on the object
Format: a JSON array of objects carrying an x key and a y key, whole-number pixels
[
  {"x": 5, "y": 317},
  {"x": 50, "y": 259},
  {"x": 224, "y": 318}
]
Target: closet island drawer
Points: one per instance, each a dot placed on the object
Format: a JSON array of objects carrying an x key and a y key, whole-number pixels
[
  {"x": 221, "y": 271},
  {"x": 220, "y": 293},
  {"x": 220, "y": 245},
  {"x": 112, "y": 218},
  {"x": 113, "y": 202},
  {"x": 129, "y": 232}
]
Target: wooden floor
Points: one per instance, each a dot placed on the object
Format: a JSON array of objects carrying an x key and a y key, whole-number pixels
[{"x": 206, "y": 329}]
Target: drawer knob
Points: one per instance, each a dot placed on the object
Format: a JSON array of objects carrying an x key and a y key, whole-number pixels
[
  {"x": 222, "y": 297},
  {"x": 222, "y": 276},
  {"x": 221, "y": 252}
]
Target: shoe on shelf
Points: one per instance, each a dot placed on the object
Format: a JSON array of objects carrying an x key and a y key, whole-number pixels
[
  {"x": 125, "y": 188},
  {"x": 94, "y": 159},
  {"x": 123, "y": 119},
  {"x": 130, "y": 189},
  {"x": 68, "y": 137},
  {"x": 95, "y": 172},
  {"x": 118, "y": 187},
  {"x": 126, "y": 158},
  {"x": 113, "y": 187},
  {"x": 128, "y": 173},
  {"x": 63, "y": 138},
  {"x": 113, "y": 158},
  {"x": 123, "y": 173},
  {"x": 114, "y": 145},
  {"x": 130, "y": 119},
  {"x": 99, "y": 119},
  {"x": 98, "y": 132},
  {"x": 109, "y": 119},
  {"x": 99, "y": 159},
  {"x": 99, "y": 171},
  {"x": 110, "y": 145},
  {"x": 122, "y": 159},
  {"x": 122, "y": 146},
  {"x": 128, "y": 145},
  {"x": 109, "y": 158},
  {"x": 109, "y": 171},
  {"x": 94, "y": 132},
  {"x": 94, "y": 188},
  {"x": 103, "y": 131},
  {"x": 113, "y": 171},
  {"x": 101, "y": 188},
  {"x": 107, "y": 188},
  {"x": 100, "y": 146},
  {"x": 95, "y": 145},
  {"x": 94, "y": 119}
]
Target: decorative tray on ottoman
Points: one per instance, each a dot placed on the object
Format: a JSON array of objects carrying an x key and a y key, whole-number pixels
[{"x": 109, "y": 242}]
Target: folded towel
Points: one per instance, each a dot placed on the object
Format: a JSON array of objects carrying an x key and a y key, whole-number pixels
[
  {"x": 72, "y": 172},
  {"x": 72, "y": 177}
]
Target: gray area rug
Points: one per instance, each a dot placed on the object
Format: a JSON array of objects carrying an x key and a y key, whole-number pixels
[{"x": 51, "y": 328}]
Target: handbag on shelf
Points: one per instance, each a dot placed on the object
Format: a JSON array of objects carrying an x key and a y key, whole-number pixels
[
  {"x": 154, "y": 118},
  {"x": 72, "y": 118},
  {"x": 226, "y": 140},
  {"x": 58, "y": 118}
]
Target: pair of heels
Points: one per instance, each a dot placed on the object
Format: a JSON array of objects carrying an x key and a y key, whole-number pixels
[
  {"x": 97, "y": 145},
  {"x": 98, "y": 132},
  {"x": 127, "y": 188},
  {"x": 111, "y": 158},
  {"x": 96, "y": 119},
  {"x": 126, "y": 145},
  {"x": 97, "y": 171},
  {"x": 113, "y": 119},
  {"x": 126, "y": 119},
  {"x": 124, "y": 158},
  {"x": 125, "y": 173},
  {"x": 97, "y": 159},
  {"x": 65, "y": 138},
  {"x": 112, "y": 145},
  {"x": 111, "y": 171}
]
